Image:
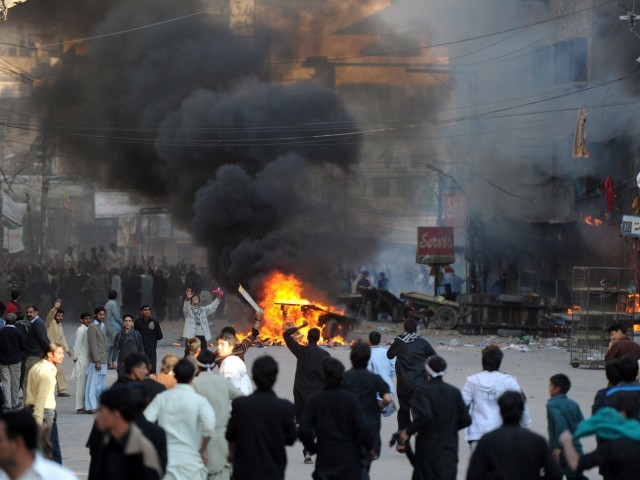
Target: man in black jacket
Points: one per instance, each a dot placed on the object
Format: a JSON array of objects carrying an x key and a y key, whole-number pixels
[
  {"x": 334, "y": 427},
  {"x": 37, "y": 342},
  {"x": 372, "y": 392},
  {"x": 150, "y": 332},
  {"x": 438, "y": 413},
  {"x": 308, "y": 379},
  {"x": 512, "y": 451},
  {"x": 12, "y": 342},
  {"x": 125, "y": 452},
  {"x": 260, "y": 427},
  {"x": 412, "y": 351}
]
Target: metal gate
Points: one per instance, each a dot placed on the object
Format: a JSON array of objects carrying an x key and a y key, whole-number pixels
[{"x": 600, "y": 297}]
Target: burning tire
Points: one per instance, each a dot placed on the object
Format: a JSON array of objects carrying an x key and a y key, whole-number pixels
[{"x": 445, "y": 318}]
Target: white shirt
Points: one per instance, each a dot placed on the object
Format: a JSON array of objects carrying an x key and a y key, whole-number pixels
[
  {"x": 43, "y": 469},
  {"x": 383, "y": 366},
  {"x": 481, "y": 393},
  {"x": 80, "y": 351},
  {"x": 233, "y": 369},
  {"x": 185, "y": 415}
]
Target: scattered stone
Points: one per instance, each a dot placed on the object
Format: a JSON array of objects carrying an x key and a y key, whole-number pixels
[{"x": 504, "y": 332}]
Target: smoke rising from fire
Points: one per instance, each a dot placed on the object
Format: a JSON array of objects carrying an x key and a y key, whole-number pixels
[
  {"x": 185, "y": 112},
  {"x": 506, "y": 131},
  {"x": 182, "y": 110}
]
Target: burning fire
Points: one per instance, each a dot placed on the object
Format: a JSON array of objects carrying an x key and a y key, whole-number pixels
[
  {"x": 633, "y": 303},
  {"x": 285, "y": 306},
  {"x": 575, "y": 308},
  {"x": 593, "y": 221}
]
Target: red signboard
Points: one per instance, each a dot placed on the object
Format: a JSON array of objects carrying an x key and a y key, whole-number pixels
[{"x": 435, "y": 246}]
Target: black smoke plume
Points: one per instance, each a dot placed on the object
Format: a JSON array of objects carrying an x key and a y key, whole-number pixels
[{"x": 185, "y": 111}]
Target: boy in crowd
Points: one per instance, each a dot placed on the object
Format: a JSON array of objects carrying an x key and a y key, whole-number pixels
[{"x": 562, "y": 414}]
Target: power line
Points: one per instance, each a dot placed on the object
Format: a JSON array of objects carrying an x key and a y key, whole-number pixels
[
  {"x": 443, "y": 44},
  {"x": 135, "y": 29}
]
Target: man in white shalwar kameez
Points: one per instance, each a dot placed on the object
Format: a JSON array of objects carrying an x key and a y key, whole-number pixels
[
  {"x": 233, "y": 368},
  {"x": 219, "y": 392},
  {"x": 81, "y": 360},
  {"x": 188, "y": 421}
]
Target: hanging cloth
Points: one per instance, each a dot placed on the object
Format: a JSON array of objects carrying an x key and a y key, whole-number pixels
[{"x": 609, "y": 194}]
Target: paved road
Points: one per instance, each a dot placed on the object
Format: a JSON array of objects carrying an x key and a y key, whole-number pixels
[{"x": 532, "y": 369}]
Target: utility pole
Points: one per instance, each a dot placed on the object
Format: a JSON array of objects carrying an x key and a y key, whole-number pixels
[{"x": 45, "y": 152}]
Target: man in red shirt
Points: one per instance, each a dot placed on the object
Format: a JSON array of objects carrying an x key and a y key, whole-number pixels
[
  {"x": 12, "y": 305},
  {"x": 620, "y": 344}
]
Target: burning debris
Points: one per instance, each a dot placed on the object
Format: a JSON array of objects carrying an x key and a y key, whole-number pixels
[
  {"x": 593, "y": 221},
  {"x": 285, "y": 305}
]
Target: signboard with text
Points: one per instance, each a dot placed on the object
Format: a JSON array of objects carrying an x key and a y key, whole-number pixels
[
  {"x": 435, "y": 246},
  {"x": 630, "y": 226}
]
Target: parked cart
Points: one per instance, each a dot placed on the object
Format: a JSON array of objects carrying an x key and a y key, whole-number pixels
[{"x": 600, "y": 298}]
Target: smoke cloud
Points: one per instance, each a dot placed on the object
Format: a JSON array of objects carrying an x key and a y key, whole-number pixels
[{"x": 185, "y": 112}]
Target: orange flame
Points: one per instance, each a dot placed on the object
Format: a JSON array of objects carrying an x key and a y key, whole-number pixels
[
  {"x": 575, "y": 308},
  {"x": 633, "y": 303},
  {"x": 283, "y": 304},
  {"x": 593, "y": 221}
]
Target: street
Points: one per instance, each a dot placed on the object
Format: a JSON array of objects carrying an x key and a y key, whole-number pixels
[{"x": 532, "y": 370}]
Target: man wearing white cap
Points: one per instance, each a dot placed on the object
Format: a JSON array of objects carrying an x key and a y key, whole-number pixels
[{"x": 438, "y": 413}]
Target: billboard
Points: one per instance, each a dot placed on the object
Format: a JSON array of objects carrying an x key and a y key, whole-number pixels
[
  {"x": 435, "y": 246},
  {"x": 630, "y": 226},
  {"x": 112, "y": 204}
]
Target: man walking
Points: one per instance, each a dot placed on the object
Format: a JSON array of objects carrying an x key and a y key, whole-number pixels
[
  {"x": 481, "y": 392},
  {"x": 188, "y": 429},
  {"x": 260, "y": 427},
  {"x": 383, "y": 366},
  {"x": 56, "y": 335},
  {"x": 412, "y": 352},
  {"x": 309, "y": 378},
  {"x": 97, "y": 369},
  {"x": 511, "y": 451},
  {"x": 334, "y": 427},
  {"x": 219, "y": 392},
  {"x": 368, "y": 387},
  {"x": 12, "y": 342},
  {"x": 36, "y": 344},
  {"x": 150, "y": 332},
  {"x": 438, "y": 413}
]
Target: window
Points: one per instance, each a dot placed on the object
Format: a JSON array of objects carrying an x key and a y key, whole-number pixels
[{"x": 570, "y": 61}]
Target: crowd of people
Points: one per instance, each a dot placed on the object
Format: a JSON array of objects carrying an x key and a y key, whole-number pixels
[
  {"x": 81, "y": 280},
  {"x": 236, "y": 427}
]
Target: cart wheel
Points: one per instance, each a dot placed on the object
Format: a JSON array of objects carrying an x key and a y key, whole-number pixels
[
  {"x": 445, "y": 318},
  {"x": 575, "y": 365}
]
